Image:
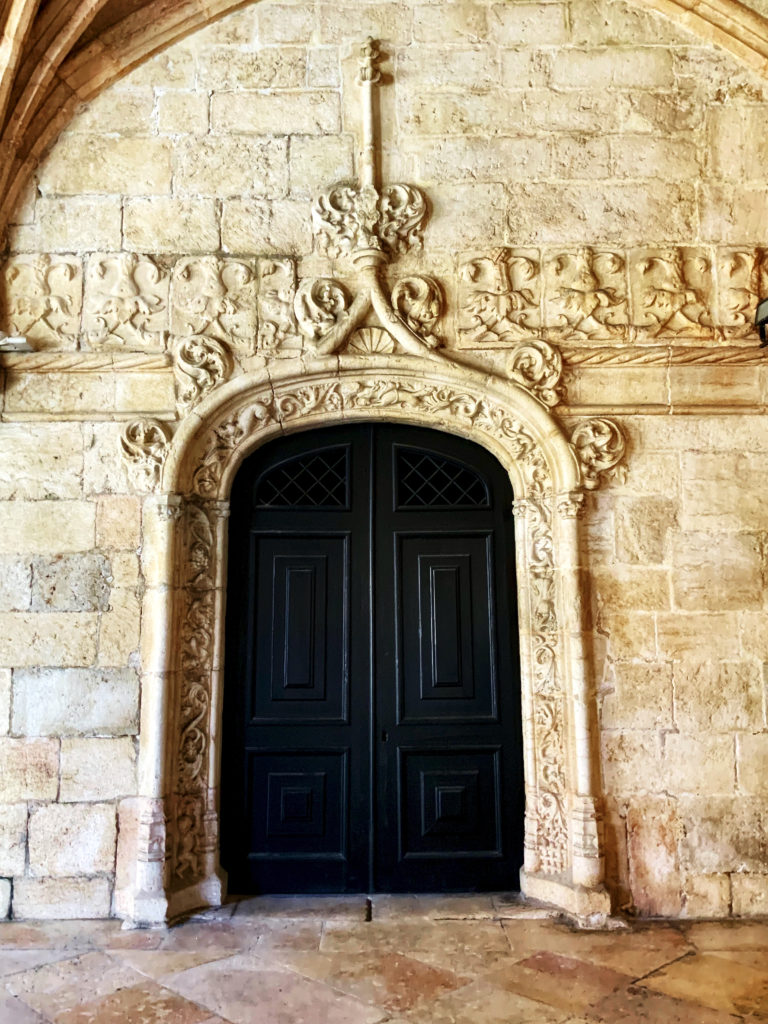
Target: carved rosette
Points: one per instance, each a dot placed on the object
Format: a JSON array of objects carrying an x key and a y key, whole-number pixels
[
  {"x": 200, "y": 365},
  {"x": 599, "y": 445},
  {"x": 144, "y": 446}
]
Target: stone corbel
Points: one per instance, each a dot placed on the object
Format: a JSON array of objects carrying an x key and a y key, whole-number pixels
[
  {"x": 599, "y": 445},
  {"x": 144, "y": 445}
]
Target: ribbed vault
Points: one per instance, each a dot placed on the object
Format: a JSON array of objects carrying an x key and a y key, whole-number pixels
[{"x": 56, "y": 54}]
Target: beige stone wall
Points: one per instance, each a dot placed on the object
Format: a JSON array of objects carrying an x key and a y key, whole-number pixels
[{"x": 536, "y": 129}]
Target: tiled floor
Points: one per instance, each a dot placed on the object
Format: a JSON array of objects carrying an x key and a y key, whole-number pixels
[{"x": 420, "y": 960}]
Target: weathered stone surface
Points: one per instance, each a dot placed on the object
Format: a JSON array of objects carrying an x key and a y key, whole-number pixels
[
  {"x": 5, "y": 898},
  {"x": 118, "y": 523},
  {"x": 713, "y": 572},
  {"x": 723, "y": 834},
  {"x": 640, "y": 696},
  {"x": 64, "y": 225},
  {"x": 127, "y": 111},
  {"x": 30, "y": 769},
  {"x": 84, "y": 163},
  {"x": 68, "y": 639},
  {"x": 170, "y": 225},
  {"x": 41, "y": 460},
  {"x": 74, "y": 839},
  {"x": 119, "y": 632},
  {"x": 707, "y": 896},
  {"x": 5, "y": 701},
  {"x": 232, "y": 166},
  {"x": 279, "y": 68},
  {"x": 42, "y": 526},
  {"x": 272, "y": 113},
  {"x": 699, "y": 764},
  {"x": 71, "y": 583},
  {"x": 654, "y": 832},
  {"x": 15, "y": 583},
  {"x": 48, "y": 899},
  {"x": 715, "y": 696},
  {"x": 67, "y": 702},
  {"x": 181, "y": 112},
  {"x": 631, "y": 762},
  {"x": 13, "y": 837},
  {"x": 97, "y": 769},
  {"x": 640, "y": 588},
  {"x": 683, "y": 635},
  {"x": 750, "y": 894},
  {"x": 752, "y": 763},
  {"x": 317, "y": 161},
  {"x": 642, "y": 529}
]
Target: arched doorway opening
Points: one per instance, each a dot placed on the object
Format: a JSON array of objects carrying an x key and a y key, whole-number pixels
[{"x": 372, "y": 706}]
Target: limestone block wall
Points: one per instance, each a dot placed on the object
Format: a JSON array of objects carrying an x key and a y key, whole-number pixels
[{"x": 596, "y": 181}]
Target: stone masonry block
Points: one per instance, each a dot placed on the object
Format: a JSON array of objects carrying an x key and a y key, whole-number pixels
[
  {"x": 126, "y": 112},
  {"x": 97, "y": 769},
  {"x": 715, "y": 696},
  {"x": 698, "y": 765},
  {"x": 72, "y": 224},
  {"x": 317, "y": 162},
  {"x": 160, "y": 224},
  {"x": 71, "y": 583},
  {"x": 41, "y": 460},
  {"x": 639, "y": 67},
  {"x": 285, "y": 23},
  {"x": 459, "y": 159},
  {"x": 654, "y": 832},
  {"x": 723, "y": 834},
  {"x": 283, "y": 67},
  {"x": 30, "y": 769},
  {"x": 6, "y": 891},
  {"x": 441, "y": 68},
  {"x": 631, "y": 762},
  {"x": 13, "y": 838},
  {"x": 15, "y": 583},
  {"x": 71, "y": 702},
  {"x": 48, "y": 638},
  {"x": 42, "y": 526},
  {"x": 5, "y": 701},
  {"x": 118, "y": 522},
  {"x": 119, "y": 632},
  {"x": 354, "y": 22},
  {"x": 232, "y": 166},
  {"x": 72, "y": 839},
  {"x": 707, "y": 896},
  {"x": 641, "y": 697},
  {"x": 47, "y": 899},
  {"x": 714, "y": 572},
  {"x": 630, "y": 587},
  {"x": 83, "y": 164},
  {"x": 491, "y": 112},
  {"x": 750, "y": 895},
  {"x": 642, "y": 529},
  {"x": 450, "y": 23},
  {"x": 697, "y": 635},
  {"x": 526, "y": 24},
  {"x": 307, "y": 113},
  {"x": 180, "y": 112},
  {"x": 752, "y": 763}
]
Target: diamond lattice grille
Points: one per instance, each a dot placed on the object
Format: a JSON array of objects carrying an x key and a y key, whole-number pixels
[
  {"x": 428, "y": 481},
  {"x": 318, "y": 480}
]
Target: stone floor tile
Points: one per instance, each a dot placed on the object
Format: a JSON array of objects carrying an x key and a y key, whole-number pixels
[
  {"x": 247, "y": 989},
  {"x": 479, "y": 1003},
  {"x": 715, "y": 981},
  {"x": 634, "y": 952},
  {"x": 210, "y": 935},
  {"x": 140, "y": 1004},
  {"x": 558, "y": 981},
  {"x": 414, "y": 936},
  {"x": 283, "y": 933},
  {"x": 14, "y": 961},
  {"x": 13, "y": 1011},
  {"x": 352, "y": 908},
  {"x": 641, "y": 1006},
  {"x": 515, "y": 905},
  {"x": 397, "y": 983},
  {"x": 707, "y": 935},
  {"x": 159, "y": 964},
  {"x": 61, "y": 986},
  {"x": 757, "y": 958}
]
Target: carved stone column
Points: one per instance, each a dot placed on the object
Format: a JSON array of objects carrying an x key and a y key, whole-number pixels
[
  {"x": 588, "y": 863},
  {"x": 148, "y": 903}
]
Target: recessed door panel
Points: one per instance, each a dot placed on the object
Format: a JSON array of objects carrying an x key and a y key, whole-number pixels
[
  {"x": 301, "y": 662},
  {"x": 372, "y": 737},
  {"x": 445, "y": 630}
]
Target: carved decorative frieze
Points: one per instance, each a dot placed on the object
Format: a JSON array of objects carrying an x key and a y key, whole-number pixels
[
  {"x": 499, "y": 298},
  {"x": 587, "y": 294},
  {"x": 599, "y": 446},
  {"x": 126, "y": 302},
  {"x": 275, "y": 306},
  {"x": 215, "y": 297},
  {"x": 144, "y": 445},
  {"x": 671, "y": 293},
  {"x": 741, "y": 275},
  {"x": 43, "y": 298},
  {"x": 200, "y": 364}
]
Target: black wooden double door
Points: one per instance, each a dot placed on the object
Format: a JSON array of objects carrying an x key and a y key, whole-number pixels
[{"x": 372, "y": 737}]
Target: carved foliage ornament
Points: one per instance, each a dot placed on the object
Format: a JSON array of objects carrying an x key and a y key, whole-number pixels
[
  {"x": 144, "y": 445},
  {"x": 200, "y": 364},
  {"x": 600, "y": 447}
]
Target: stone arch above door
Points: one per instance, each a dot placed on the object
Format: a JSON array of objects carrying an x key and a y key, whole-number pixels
[{"x": 175, "y": 863}]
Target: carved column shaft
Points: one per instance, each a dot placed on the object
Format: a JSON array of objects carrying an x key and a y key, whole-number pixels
[{"x": 586, "y": 838}]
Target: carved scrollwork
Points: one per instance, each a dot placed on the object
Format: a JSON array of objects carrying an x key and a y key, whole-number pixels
[
  {"x": 144, "y": 445},
  {"x": 419, "y": 301},
  {"x": 126, "y": 302},
  {"x": 348, "y": 219},
  {"x": 320, "y": 304},
  {"x": 538, "y": 367},
  {"x": 200, "y": 364},
  {"x": 214, "y": 297},
  {"x": 587, "y": 294},
  {"x": 43, "y": 298},
  {"x": 672, "y": 292},
  {"x": 498, "y": 298},
  {"x": 599, "y": 446}
]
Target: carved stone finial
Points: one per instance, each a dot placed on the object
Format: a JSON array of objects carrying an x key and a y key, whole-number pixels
[{"x": 370, "y": 55}]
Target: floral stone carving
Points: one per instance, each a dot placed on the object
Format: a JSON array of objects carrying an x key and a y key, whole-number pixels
[
  {"x": 126, "y": 302},
  {"x": 200, "y": 364},
  {"x": 43, "y": 298},
  {"x": 144, "y": 445},
  {"x": 600, "y": 447}
]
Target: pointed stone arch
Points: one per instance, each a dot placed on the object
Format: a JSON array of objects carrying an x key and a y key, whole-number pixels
[{"x": 172, "y": 865}]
